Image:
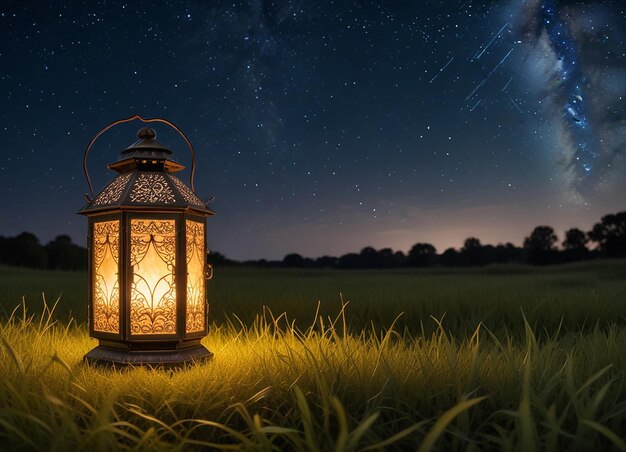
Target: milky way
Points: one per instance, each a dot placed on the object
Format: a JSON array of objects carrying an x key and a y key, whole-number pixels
[
  {"x": 580, "y": 98},
  {"x": 572, "y": 83}
]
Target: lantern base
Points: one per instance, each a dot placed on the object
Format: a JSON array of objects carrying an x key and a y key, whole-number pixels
[{"x": 117, "y": 358}]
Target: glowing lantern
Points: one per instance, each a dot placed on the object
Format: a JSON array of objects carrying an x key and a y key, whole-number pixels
[{"x": 147, "y": 259}]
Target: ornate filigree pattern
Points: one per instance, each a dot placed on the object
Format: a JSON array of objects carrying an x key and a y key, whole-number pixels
[
  {"x": 152, "y": 188},
  {"x": 196, "y": 301},
  {"x": 112, "y": 193},
  {"x": 106, "y": 293},
  {"x": 153, "y": 265},
  {"x": 185, "y": 192}
]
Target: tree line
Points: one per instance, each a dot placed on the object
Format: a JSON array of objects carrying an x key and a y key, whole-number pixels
[
  {"x": 24, "y": 250},
  {"x": 607, "y": 239}
]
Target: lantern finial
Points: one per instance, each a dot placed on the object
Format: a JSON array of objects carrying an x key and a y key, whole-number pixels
[{"x": 146, "y": 134}]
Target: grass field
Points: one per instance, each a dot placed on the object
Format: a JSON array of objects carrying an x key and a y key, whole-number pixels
[{"x": 501, "y": 358}]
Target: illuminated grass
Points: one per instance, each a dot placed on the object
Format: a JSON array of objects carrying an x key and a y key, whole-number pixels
[{"x": 325, "y": 387}]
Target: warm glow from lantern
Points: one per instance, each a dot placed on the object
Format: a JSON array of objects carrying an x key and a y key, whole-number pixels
[
  {"x": 153, "y": 288},
  {"x": 106, "y": 294},
  {"x": 195, "y": 277}
]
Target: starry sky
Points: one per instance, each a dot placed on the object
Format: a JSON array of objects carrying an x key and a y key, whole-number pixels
[{"x": 321, "y": 127}]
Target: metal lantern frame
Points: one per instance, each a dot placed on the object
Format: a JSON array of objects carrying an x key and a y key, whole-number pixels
[{"x": 146, "y": 209}]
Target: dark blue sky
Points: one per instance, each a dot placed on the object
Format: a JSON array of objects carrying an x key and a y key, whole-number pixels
[{"x": 324, "y": 127}]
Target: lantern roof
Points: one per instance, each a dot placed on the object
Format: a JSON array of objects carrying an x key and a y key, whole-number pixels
[
  {"x": 148, "y": 190},
  {"x": 146, "y": 153},
  {"x": 145, "y": 181}
]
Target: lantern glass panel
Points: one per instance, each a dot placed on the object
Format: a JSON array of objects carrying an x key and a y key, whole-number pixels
[
  {"x": 106, "y": 292},
  {"x": 153, "y": 266},
  {"x": 196, "y": 305}
]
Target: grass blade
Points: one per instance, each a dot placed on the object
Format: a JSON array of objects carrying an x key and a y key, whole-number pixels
[
  {"x": 606, "y": 432},
  {"x": 440, "y": 426}
]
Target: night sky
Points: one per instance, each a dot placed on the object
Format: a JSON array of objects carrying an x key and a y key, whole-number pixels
[{"x": 322, "y": 127}]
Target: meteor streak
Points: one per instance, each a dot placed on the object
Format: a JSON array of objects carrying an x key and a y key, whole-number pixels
[
  {"x": 441, "y": 70},
  {"x": 492, "y": 41}
]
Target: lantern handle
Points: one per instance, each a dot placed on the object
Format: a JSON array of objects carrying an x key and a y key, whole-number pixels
[{"x": 132, "y": 118}]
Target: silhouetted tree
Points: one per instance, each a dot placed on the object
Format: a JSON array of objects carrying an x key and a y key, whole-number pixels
[
  {"x": 575, "y": 239},
  {"x": 65, "y": 255},
  {"x": 326, "y": 262},
  {"x": 488, "y": 254},
  {"x": 293, "y": 260},
  {"x": 262, "y": 263},
  {"x": 540, "y": 246},
  {"x": 385, "y": 258},
  {"x": 399, "y": 259},
  {"x": 575, "y": 245},
  {"x": 26, "y": 251},
  {"x": 450, "y": 258},
  {"x": 4, "y": 249},
  {"x": 507, "y": 253},
  {"x": 422, "y": 255},
  {"x": 350, "y": 260},
  {"x": 542, "y": 238},
  {"x": 217, "y": 259},
  {"x": 610, "y": 235},
  {"x": 369, "y": 258},
  {"x": 472, "y": 253}
]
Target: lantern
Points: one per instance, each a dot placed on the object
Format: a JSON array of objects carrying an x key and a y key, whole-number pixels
[{"x": 147, "y": 259}]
